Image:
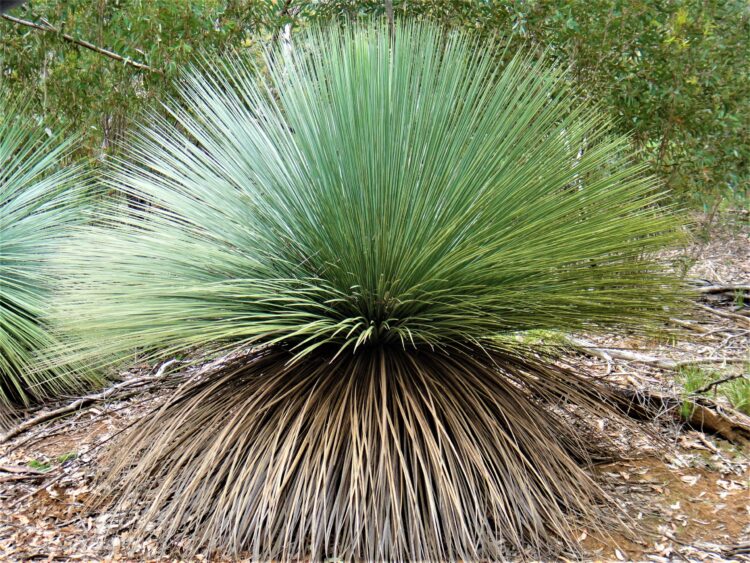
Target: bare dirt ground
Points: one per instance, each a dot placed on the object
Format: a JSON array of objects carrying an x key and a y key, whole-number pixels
[{"x": 688, "y": 497}]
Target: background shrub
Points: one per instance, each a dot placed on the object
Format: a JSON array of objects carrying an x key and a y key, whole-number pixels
[{"x": 675, "y": 73}]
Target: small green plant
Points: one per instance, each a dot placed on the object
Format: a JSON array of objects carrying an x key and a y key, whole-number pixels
[
  {"x": 66, "y": 457},
  {"x": 692, "y": 378},
  {"x": 683, "y": 263},
  {"x": 695, "y": 379},
  {"x": 738, "y": 393},
  {"x": 739, "y": 298},
  {"x": 46, "y": 465},
  {"x": 40, "y": 465}
]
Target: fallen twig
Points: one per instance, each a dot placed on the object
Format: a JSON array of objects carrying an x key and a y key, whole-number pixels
[
  {"x": 82, "y": 402},
  {"x": 733, "y": 316},
  {"x": 27, "y": 477},
  {"x": 94, "y": 447},
  {"x": 690, "y": 325},
  {"x": 739, "y": 549},
  {"x": 704, "y": 415},
  {"x": 20, "y": 469},
  {"x": 608, "y": 354},
  {"x": 49, "y": 28},
  {"x": 39, "y": 489},
  {"x": 731, "y": 288},
  {"x": 710, "y": 446},
  {"x": 717, "y": 383},
  {"x": 21, "y": 473}
]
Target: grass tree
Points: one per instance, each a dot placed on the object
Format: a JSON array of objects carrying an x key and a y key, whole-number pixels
[
  {"x": 377, "y": 218},
  {"x": 36, "y": 209}
]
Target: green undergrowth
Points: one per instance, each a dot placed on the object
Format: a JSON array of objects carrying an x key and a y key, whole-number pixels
[
  {"x": 695, "y": 379},
  {"x": 47, "y": 464}
]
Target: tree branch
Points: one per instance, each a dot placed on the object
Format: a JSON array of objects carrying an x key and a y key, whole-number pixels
[
  {"x": 691, "y": 325},
  {"x": 389, "y": 16},
  {"x": 48, "y": 28},
  {"x": 705, "y": 415},
  {"x": 284, "y": 12},
  {"x": 83, "y": 402},
  {"x": 737, "y": 318},
  {"x": 664, "y": 363},
  {"x": 717, "y": 383},
  {"x": 723, "y": 288}
]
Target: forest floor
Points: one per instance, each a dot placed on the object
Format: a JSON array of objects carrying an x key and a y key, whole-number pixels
[{"x": 688, "y": 494}]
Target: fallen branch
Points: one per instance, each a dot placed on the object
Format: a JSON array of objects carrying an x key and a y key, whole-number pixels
[
  {"x": 739, "y": 549},
  {"x": 96, "y": 446},
  {"x": 20, "y": 473},
  {"x": 82, "y": 402},
  {"x": 717, "y": 383},
  {"x": 705, "y": 415},
  {"x": 21, "y": 477},
  {"x": 21, "y": 470},
  {"x": 733, "y": 316},
  {"x": 723, "y": 288},
  {"x": 690, "y": 325},
  {"x": 39, "y": 489},
  {"x": 608, "y": 354},
  {"x": 49, "y": 28}
]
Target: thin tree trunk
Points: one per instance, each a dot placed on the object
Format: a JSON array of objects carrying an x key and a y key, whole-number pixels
[{"x": 389, "y": 16}]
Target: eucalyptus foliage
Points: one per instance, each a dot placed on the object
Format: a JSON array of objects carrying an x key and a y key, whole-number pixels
[
  {"x": 674, "y": 72},
  {"x": 378, "y": 217},
  {"x": 36, "y": 209}
]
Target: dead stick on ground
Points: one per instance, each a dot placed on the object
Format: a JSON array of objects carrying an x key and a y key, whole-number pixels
[
  {"x": 82, "y": 402},
  {"x": 94, "y": 447},
  {"x": 608, "y": 354},
  {"x": 717, "y": 383},
  {"x": 737, "y": 318},
  {"x": 723, "y": 288},
  {"x": 39, "y": 489},
  {"x": 48, "y": 28},
  {"x": 692, "y": 326},
  {"x": 21, "y": 470},
  {"x": 27, "y": 477},
  {"x": 704, "y": 415}
]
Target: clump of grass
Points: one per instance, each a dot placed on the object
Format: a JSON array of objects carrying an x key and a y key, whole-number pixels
[
  {"x": 38, "y": 207},
  {"x": 40, "y": 465},
  {"x": 63, "y": 458},
  {"x": 694, "y": 379},
  {"x": 46, "y": 464},
  {"x": 739, "y": 299},
  {"x": 379, "y": 220},
  {"x": 738, "y": 394}
]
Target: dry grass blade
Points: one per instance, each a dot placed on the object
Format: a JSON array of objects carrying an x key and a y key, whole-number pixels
[{"x": 377, "y": 456}]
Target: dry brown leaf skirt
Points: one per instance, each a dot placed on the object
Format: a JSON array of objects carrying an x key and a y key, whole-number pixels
[{"x": 385, "y": 454}]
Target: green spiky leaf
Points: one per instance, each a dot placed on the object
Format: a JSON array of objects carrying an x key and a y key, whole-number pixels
[
  {"x": 36, "y": 209},
  {"x": 411, "y": 195}
]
